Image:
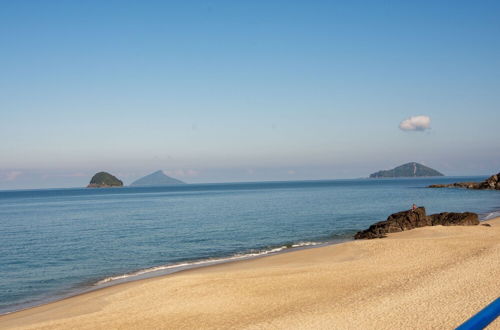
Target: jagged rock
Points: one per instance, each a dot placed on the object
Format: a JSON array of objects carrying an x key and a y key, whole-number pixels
[
  {"x": 454, "y": 219},
  {"x": 492, "y": 183},
  {"x": 467, "y": 185},
  {"x": 407, "y": 220},
  {"x": 396, "y": 222}
]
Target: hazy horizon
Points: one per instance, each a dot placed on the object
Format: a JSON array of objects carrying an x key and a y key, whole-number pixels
[
  {"x": 81, "y": 180},
  {"x": 230, "y": 91}
]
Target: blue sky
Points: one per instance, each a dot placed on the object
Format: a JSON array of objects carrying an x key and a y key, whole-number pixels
[{"x": 245, "y": 91}]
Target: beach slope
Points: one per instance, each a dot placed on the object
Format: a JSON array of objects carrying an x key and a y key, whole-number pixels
[{"x": 430, "y": 277}]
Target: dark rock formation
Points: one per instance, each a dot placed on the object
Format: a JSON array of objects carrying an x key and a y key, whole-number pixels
[
  {"x": 104, "y": 180},
  {"x": 396, "y": 222},
  {"x": 492, "y": 183},
  {"x": 468, "y": 185},
  {"x": 408, "y": 170},
  {"x": 454, "y": 219},
  {"x": 407, "y": 220}
]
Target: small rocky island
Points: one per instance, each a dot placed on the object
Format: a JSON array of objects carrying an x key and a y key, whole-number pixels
[
  {"x": 492, "y": 183},
  {"x": 104, "y": 180},
  {"x": 411, "y": 219},
  {"x": 408, "y": 170}
]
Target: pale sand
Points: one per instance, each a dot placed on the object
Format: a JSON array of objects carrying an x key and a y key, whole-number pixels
[{"x": 432, "y": 277}]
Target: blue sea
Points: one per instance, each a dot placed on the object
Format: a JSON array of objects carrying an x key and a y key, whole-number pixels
[{"x": 60, "y": 242}]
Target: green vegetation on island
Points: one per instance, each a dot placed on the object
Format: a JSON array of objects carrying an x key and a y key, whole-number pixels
[
  {"x": 104, "y": 180},
  {"x": 157, "y": 178},
  {"x": 407, "y": 170}
]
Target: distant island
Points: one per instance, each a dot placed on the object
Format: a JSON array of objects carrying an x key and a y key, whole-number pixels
[
  {"x": 408, "y": 170},
  {"x": 104, "y": 180},
  {"x": 157, "y": 178}
]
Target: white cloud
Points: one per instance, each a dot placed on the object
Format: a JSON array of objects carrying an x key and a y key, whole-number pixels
[
  {"x": 10, "y": 175},
  {"x": 415, "y": 123}
]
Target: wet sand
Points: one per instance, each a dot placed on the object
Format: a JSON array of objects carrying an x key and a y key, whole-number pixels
[{"x": 432, "y": 277}]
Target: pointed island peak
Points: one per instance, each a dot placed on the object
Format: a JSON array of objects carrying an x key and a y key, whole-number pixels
[
  {"x": 104, "y": 180},
  {"x": 408, "y": 170},
  {"x": 158, "y": 178}
]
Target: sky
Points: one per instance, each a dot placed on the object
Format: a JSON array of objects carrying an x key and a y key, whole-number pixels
[{"x": 223, "y": 91}]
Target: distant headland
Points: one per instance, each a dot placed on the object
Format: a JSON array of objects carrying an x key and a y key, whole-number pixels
[
  {"x": 492, "y": 183},
  {"x": 104, "y": 180},
  {"x": 408, "y": 170}
]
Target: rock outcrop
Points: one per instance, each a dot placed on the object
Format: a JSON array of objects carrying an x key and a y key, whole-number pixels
[
  {"x": 454, "y": 219},
  {"x": 104, "y": 180},
  {"x": 407, "y": 220},
  {"x": 492, "y": 183},
  {"x": 467, "y": 185}
]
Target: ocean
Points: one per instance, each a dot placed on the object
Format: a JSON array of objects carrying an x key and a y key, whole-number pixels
[{"x": 59, "y": 242}]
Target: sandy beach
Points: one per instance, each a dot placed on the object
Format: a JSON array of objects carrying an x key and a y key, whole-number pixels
[{"x": 432, "y": 277}]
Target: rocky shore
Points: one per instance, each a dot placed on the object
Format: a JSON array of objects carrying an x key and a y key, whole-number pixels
[
  {"x": 492, "y": 183},
  {"x": 411, "y": 219}
]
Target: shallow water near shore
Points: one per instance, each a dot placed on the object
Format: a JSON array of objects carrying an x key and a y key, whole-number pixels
[{"x": 62, "y": 241}]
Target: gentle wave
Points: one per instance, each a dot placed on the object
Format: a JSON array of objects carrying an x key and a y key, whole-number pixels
[
  {"x": 205, "y": 262},
  {"x": 492, "y": 215}
]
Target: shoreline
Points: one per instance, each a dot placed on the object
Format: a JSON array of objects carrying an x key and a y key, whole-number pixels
[
  {"x": 193, "y": 264},
  {"x": 350, "y": 255},
  {"x": 169, "y": 269},
  {"x": 164, "y": 270}
]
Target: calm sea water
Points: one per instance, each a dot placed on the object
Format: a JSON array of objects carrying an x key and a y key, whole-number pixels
[{"x": 62, "y": 241}]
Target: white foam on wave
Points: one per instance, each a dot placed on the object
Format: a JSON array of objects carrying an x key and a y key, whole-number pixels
[
  {"x": 206, "y": 262},
  {"x": 492, "y": 215}
]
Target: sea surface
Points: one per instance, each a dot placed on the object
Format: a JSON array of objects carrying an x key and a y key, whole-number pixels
[{"x": 59, "y": 242}]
